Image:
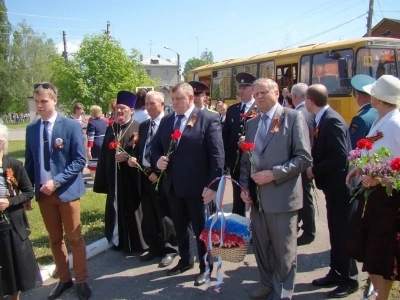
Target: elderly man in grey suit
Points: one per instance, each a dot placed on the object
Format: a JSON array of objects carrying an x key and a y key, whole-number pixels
[{"x": 282, "y": 152}]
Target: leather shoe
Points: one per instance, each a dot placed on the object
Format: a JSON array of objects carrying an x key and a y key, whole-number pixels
[
  {"x": 200, "y": 279},
  {"x": 149, "y": 256},
  {"x": 328, "y": 280},
  {"x": 179, "y": 269},
  {"x": 305, "y": 239},
  {"x": 84, "y": 291},
  {"x": 59, "y": 289},
  {"x": 344, "y": 289},
  {"x": 261, "y": 293},
  {"x": 167, "y": 260}
]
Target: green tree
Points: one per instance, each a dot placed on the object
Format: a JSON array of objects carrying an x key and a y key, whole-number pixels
[
  {"x": 208, "y": 57},
  {"x": 98, "y": 71},
  {"x": 191, "y": 64},
  {"x": 5, "y": 32}
]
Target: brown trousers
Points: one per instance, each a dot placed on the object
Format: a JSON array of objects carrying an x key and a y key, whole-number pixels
[{"x": 56, "y": 215}]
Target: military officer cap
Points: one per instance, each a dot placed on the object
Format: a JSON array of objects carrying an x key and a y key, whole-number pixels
[
  {"x": 198, "y": 87},
  {"x": 245, "y": 79},
  {"x": 359, "y": 81}
]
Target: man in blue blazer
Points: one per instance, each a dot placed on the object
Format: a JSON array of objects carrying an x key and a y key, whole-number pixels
[
  {"x": 54, "y": 160},
  {"x": 197, "y": 159}
]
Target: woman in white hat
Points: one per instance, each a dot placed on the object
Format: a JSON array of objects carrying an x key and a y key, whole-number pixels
[{"x": 375, "y": 238}]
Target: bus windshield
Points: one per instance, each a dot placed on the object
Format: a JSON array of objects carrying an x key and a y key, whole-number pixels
[{"x": 376, "y": 62}]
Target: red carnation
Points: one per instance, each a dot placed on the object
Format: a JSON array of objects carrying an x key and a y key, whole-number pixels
[
  {"x": 120, "y": 119},
  {"x": 395, "y": 164},
  {"x": 368, "y": 145},
  {"x": 110, "y": 122},
  {"x": 245, "y": 147},
  {"x": 244, "y": 115},
  {"x": 364, "y": 144},
  {"x": 176, "y": 135},
  {"x": 111, "y": 145}
]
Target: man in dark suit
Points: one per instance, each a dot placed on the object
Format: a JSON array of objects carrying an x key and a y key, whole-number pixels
[
  {"x": 232, "y": 132},
  {"x": 366, "y": 116},
  {"x": 197, "y": 159},
  {"x": 307, "y": 212},
  {"x": 330, "y": 167},
  {"x": 54, "y": 159},
  {"x": 158, "y": 229}
]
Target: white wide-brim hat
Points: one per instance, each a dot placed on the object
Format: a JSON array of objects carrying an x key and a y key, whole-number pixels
[{"x": 386, "y": 88}]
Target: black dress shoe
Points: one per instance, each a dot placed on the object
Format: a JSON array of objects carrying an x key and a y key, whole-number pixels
[
  {"x": 167, "y": 260},
  {"x": 344, "y": 289},
  {"x": 149, "y": 256},
  {"x": 84, "y": 291},
  {"x": 59, "y": 289},
  {"x": 179, "y": 269},
  {"x": 328, "y": 280},
  {"x": 305, "y": 239},
  {"x": 200, "y": 279}
]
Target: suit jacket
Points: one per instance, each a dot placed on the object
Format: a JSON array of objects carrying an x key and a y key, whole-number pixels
[
  {"x": 310, "y": 120},
  {"x": 361, "y": 124},
  {"x": 231, "y": 132},
  {"x": 330, "y": 150},
  {"x": 24, "y": 193},
  {"x": 287, "y": 154},
  {"x": 198, "y": 158},
  {"x": 66, "y": 164}
]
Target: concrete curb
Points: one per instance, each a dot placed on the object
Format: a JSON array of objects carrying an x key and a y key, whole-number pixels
[{"x": 91, "y": 250}]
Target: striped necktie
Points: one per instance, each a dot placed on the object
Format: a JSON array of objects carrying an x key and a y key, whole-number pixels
[{"x": 147, "y": 153}]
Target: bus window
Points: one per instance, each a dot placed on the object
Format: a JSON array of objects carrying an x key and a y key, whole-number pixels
[
  {"x": 267, "y": 70},
  {"x": 286, "y": 75},
  {"x": 251, "y": 69},
  {"x": 376, "y": 62},
  {"x": 305, "y": 70},
  {"x": 221, "y": 83},
  {"x": 196, "y": 77},
  {"x": 325, "y": 71}
]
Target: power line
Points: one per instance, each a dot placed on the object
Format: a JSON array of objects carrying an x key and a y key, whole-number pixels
[
  {"x": 380, "y": 9},
  {"x": 50, "y": 17}
]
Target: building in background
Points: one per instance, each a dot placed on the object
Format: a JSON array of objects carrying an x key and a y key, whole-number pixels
[
  {"x": 165, "y": 71},
  {"x": 387, "y": 28}
]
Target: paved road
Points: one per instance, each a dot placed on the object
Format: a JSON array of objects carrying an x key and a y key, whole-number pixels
[
  {"x": 114, "y": 275},
  {"x": 16, "y": 134}
]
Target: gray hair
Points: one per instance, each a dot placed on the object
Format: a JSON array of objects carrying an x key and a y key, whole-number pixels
[
  {"x": 4, "y": 137},
  {"x": 299, "y": 89},
  {"x": 157, "y": 95},
  {"x": 272, "y": 85}
]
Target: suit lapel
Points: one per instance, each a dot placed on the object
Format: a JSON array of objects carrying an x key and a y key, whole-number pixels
[
  {"x": 252, "y": 129},
  {"x": 279, "y": 113},
  {"x": 56, "y": 132},
  {"x": 195, "y": 111},
  {"x": 144, "y": 133},
  {"x": 36, "y": 139}
]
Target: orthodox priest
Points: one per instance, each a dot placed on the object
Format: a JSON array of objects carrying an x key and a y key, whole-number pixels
[{"x": 115, "y": 178}]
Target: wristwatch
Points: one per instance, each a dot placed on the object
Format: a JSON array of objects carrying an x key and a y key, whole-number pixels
[{"x": 57, "y": 184}]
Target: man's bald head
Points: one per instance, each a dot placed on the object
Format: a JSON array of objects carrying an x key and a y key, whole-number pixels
[{"x": 318, "y": 94}]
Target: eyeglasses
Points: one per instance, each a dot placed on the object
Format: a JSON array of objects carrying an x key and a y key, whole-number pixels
[{"x": 45, "y": 86}]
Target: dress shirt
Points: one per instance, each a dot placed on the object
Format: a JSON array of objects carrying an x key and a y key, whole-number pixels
[
  {"x": 300, "y": 105},
  {"x": 46, "y": 175},
  {"x": 248, "y": 105},
  {"x": 270, "y": 115},
  {"x": 318, "y": 116}
]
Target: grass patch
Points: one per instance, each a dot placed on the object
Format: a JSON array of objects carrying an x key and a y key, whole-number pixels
[
  {"x": 92, "y": 218},
  {"x": 92, "y": 215},
  {"x": 16, "y": 149},
  {"x": 17, "y": 125},
  {"x": 395, "y": 294}
]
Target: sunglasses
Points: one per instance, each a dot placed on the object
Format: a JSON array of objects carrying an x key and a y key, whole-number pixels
[{"x": 45, "y": 86}]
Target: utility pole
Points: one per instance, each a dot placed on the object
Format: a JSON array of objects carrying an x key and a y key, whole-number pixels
[
  {"x": 369, "y": 20},
  {"x": 197, "y": 47},
  {"x": 108, "y": 30},
  {"x": 179, "y": 67},
  {"x": 65, "y": 53},
  {"x": 150, "y": 47}
]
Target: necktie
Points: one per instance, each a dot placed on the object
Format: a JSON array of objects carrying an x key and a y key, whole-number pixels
[
  {"x": 46, "y": 147},
  {"x": 243, "y": 109},
  {"x": 178, "y": 122},
  {"x": 147, "y": 153},
  {"x": 261, "y": 134}
]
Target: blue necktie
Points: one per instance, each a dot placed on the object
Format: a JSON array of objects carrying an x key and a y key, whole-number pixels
[
  {"x": 261, "y": 134},
  {"x": 178, "y": 122},
  {"x": 147, "y": 153},
  {"x": 46, "y": 147}
]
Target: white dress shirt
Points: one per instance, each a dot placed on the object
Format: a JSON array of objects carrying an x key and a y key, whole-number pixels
[
  {"x": 157, "y": 124},
  {"x": 318, "y": 116},
  {"x": 46, "y": 175},
  {"x": 248, "y": 105},
  {"x": 300, "y": 105},
  {"x": 270, "y": 115}
]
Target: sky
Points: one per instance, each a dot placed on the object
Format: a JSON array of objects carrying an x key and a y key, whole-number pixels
[{"x": 230, "y": 29}]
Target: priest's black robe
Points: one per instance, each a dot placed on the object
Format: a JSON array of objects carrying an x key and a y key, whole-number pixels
[{"x": 120, "y": 183}]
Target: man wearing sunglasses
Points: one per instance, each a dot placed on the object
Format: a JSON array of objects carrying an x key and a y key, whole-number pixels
[{"x": 54, "y": 160}]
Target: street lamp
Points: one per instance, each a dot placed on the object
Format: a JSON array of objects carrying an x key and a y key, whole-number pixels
[{"x": 178, "y": 59}]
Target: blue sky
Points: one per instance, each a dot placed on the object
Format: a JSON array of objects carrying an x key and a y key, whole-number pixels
[{"x": 230, "y": 29}]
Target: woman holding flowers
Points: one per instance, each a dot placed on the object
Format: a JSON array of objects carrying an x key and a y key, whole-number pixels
[
  {"x": 18, "y": 268},
  {"x": 375, "y": 234}
]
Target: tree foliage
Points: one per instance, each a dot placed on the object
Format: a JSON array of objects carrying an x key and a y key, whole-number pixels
[
  {"x": 193, "y": 63},
  {"x": 98, "y": 71}
]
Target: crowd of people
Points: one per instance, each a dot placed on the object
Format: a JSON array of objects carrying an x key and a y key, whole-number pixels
[{"x": 158, "y": 173}]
